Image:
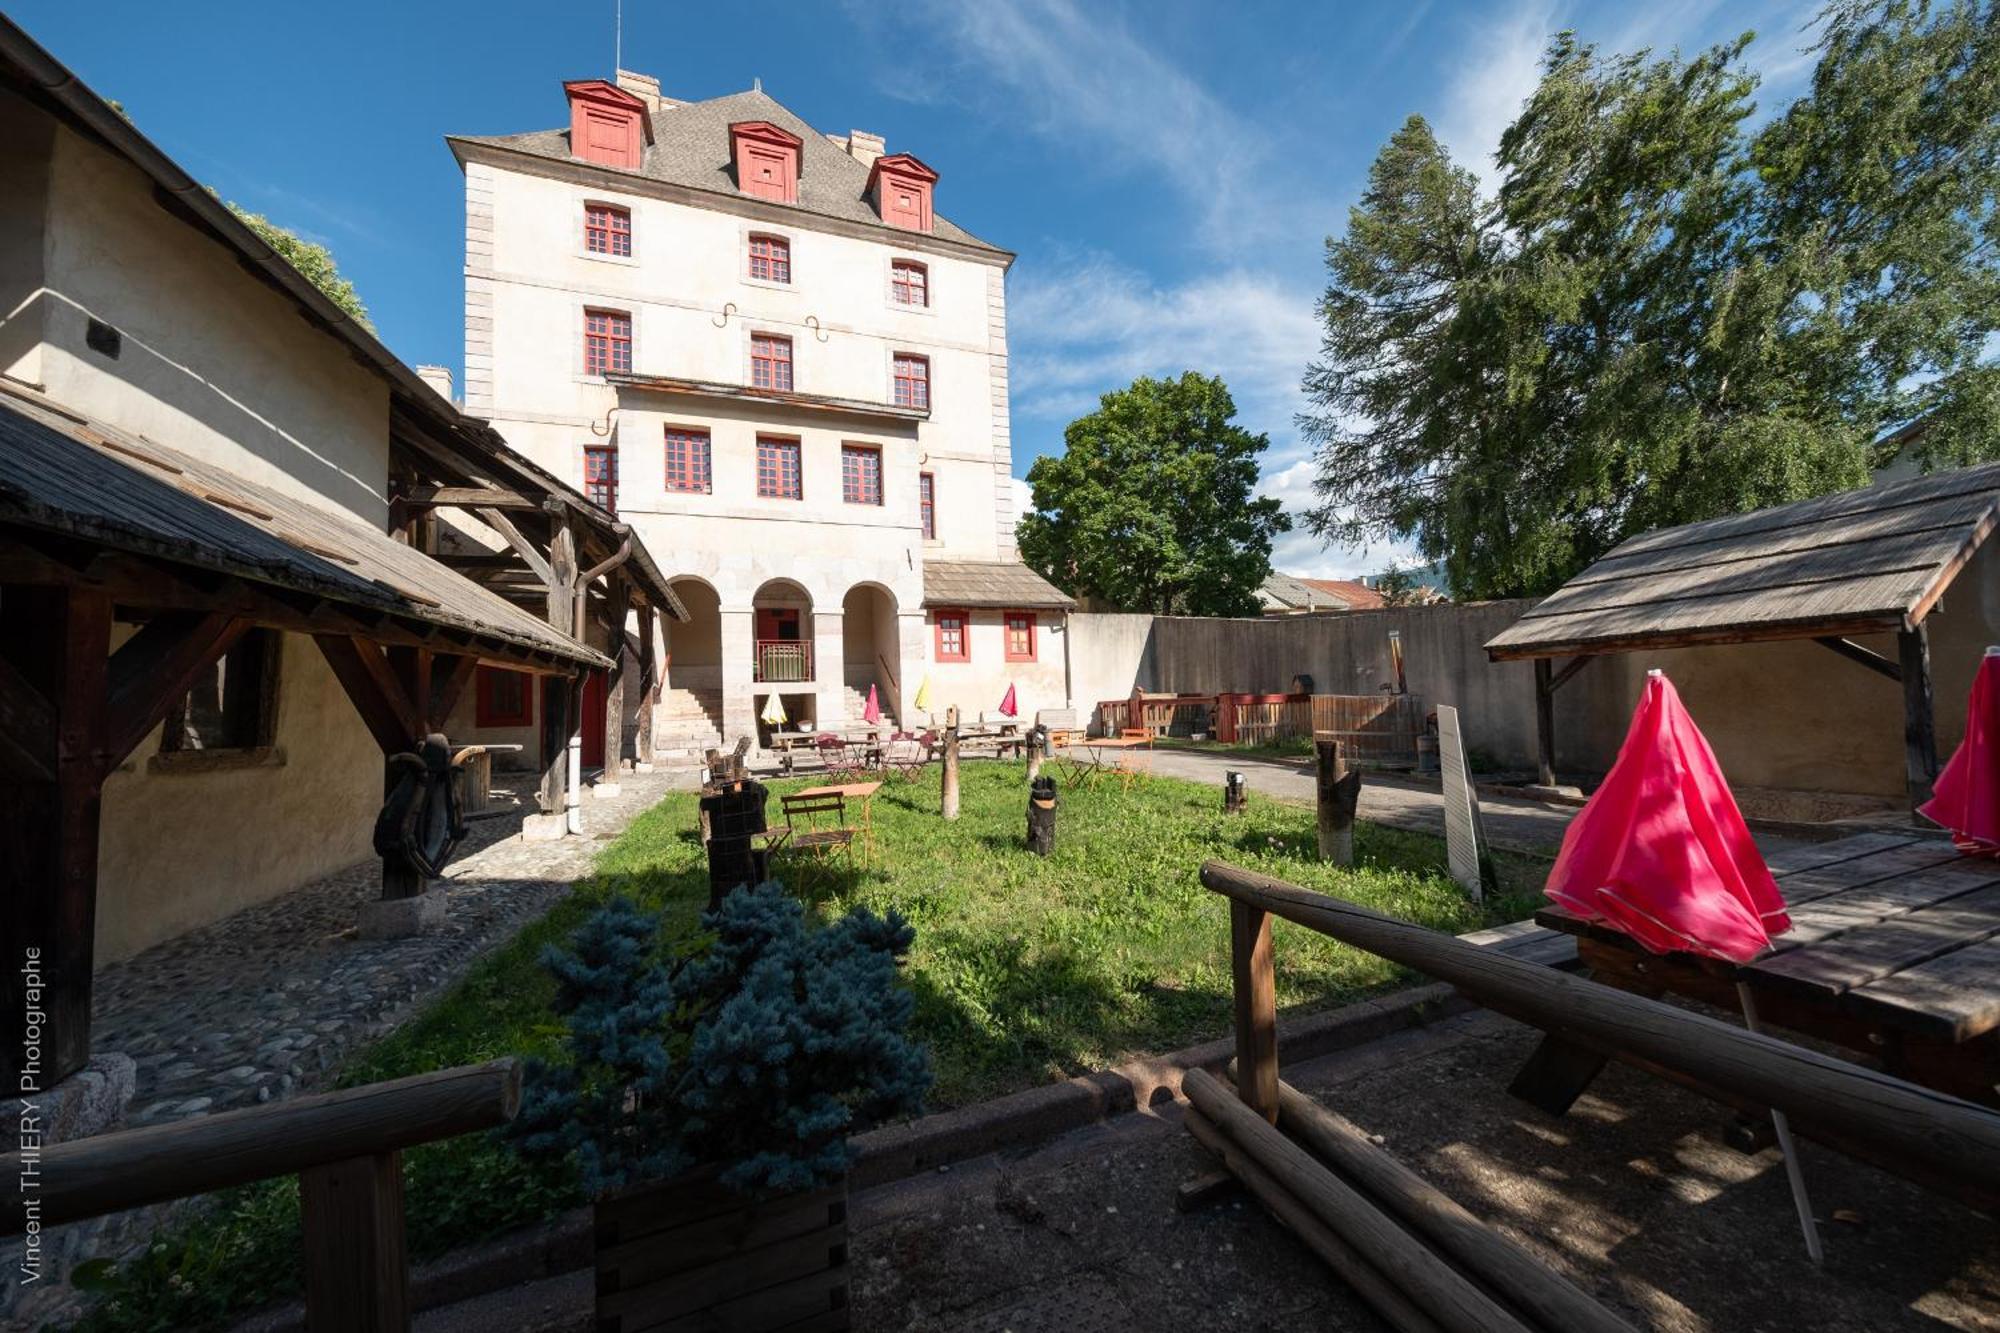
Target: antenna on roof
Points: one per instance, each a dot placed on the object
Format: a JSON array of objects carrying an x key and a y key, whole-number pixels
[
  {"x": 617, "y": 37},
  {"x": 756, "y": 84}
]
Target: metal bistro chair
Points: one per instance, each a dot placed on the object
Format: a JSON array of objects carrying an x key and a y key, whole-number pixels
[
  {"x": 908, "y": 753},
  {"x": 817, "y": 826},
  {"x": 838, "y": 754}
]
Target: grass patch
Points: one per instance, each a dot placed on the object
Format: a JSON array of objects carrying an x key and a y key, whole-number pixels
[{"x": 1024, "y": 970}]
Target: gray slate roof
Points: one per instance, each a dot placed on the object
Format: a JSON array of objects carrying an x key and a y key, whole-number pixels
[
  {"x": 1868, "y": 560},
  {"x": 990, "y": 583},
  {"x": 691, "y": 147},
  {"x": 63, "y": 474}
]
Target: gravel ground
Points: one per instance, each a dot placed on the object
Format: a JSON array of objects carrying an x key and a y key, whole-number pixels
[{"x": 1633, "y": 1195}]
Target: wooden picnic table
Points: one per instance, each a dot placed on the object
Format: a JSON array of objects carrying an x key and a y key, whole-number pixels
[
  {"x": 788, "y": 744},
  {"x": 863, "y": 792},
  {"x": 1093, "y": 765},
  {"x": 1894, "y": 952}
]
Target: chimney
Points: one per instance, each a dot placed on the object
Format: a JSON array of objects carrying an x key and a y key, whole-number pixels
[
  {"x": 864, "y": 147},
  {"x": 647, "y": 89},
  {"x": 439, "y": 378}
]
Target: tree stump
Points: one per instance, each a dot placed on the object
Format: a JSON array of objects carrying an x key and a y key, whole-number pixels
[
  {"x": 1235, "y": 793},
  {"x": 1042, "y": 816},
  {"x": 1339, "y": 794}
]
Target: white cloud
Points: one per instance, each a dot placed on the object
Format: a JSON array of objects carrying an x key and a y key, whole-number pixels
[{"x": 1500, "y": 66}]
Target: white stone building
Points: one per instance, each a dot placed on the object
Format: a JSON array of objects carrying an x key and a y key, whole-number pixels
[{"x": 762, "y": 345}]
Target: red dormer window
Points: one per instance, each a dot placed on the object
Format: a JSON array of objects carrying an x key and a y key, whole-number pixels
[
  {"x": 766, "y": 160},
  {"x": 607, "y": 125},
  {"x": 901, "y": 186}
]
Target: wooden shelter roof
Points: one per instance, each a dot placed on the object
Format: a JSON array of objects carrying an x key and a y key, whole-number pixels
[
  {"x": 65, "y": 477},
  {"x": 1870, "y": 560}
]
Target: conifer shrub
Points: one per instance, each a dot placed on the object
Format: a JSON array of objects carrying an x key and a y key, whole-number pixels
[{"x": 759, "y": 1051}]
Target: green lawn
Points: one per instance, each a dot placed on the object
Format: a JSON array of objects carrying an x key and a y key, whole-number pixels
[{"x": 1024, "y": 969}]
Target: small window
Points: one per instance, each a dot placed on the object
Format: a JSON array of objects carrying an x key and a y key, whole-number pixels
[
  {"x": 770, "y": 362},
  {"x": 778, "y": 469},
  {"x": 954, "y": 644},
  {"x": 607, "y": 230},
  {"x": 770, "y": 259},
  {"x": 913, "y": 381},
  {"x": 607, "y": 343},
  {"x": 927, "y": 504},
  {"x": 1020, "y": 627},
  {"x": 860, "y": 474},
  {"x": 687, "y": 460},
  {"x": 600, "y": 476},
  {"x": 234, "y": 703},
  {"x": 505, "y": 699},
  {"x": 909, "y": 283}
]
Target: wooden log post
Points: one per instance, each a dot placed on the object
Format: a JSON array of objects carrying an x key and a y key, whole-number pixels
[
  {"x": 1545, "y": 723},
  {"x": 1042, "y": 816},
  {"x": 1928, "y": 1129},
  {"x": 1385, "y": 1297},
  {"x": 1256, "y": 991},
  {"x": 1235, "y": 793},
  {"x": 1442, "y": 1293},
  {"x": 357, "y": 1274},
  {"x": 617, "y": 603},
  {"x": 558, "y": 708},
  {"x": 1339, "y": 793},
  {"x": 949, "y": 796},
  {"x": 1920, "y": 761},
  {"x": 649, "y": 687},
  {"x": 1037, "y": 746}
]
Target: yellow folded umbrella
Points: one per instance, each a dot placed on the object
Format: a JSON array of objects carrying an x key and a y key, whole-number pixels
[
  {"x": 774, "y": 711},
  {"x": 922, "y": 703}
]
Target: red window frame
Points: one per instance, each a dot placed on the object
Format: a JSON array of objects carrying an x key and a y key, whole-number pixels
[
  {"x": 600, "y": 476},
  {"x": 960, "y": 622},
  {"x": 688, "y": 459},
  {"x": 913, "y": 380},
  {"x": 909, "y": 283},
  {"x": 770, "y": 362},
  {"x": 927, "y": 504},
  {"x": 607, "y": 230},
  {"x": 860, "y": 474},
  {"x": 1018, "y": 627},
  {"x": 770, "y": 258},
  {"x": 607, "y": 342},
  {"x": 778, "y": 469},
  {"x": 491, "y": 709}
]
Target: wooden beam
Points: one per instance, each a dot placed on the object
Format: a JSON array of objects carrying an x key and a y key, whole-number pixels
[
  {"x": 357, "y": 1274},
  {"x": 1569, "y": 668},
  {"x": 562, "y": 702},
  {"x": 27, "y": 727},
  {"x": 1920, "y": 761},
  {"x": 450, "y": 674},
  {"x": 467, "y": 497},
  {"x": 60, "y": 641},
  {"x": 1545, "y": 724},
  {"x": 412, "y": 669},
  {"x": 1867, "y": 657},
  {"x": 1256, "y": 1009},
  {"x": 522, "y": 547},
  {"x": 373, "y": 690},
  {"x": 155, "y": 668}
]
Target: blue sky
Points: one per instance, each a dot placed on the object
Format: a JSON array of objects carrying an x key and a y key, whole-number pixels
[{"x": 1167, "y": 171}]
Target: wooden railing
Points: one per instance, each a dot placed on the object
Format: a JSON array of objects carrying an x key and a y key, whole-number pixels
[
  {"x": 784, "y": 660},
  {"x": 1373, "y": 729},
  {"x": 346, "y": 1148}
]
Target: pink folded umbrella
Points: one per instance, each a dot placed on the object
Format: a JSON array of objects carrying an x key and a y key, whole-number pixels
[
  {"x": 1008, "y": 708},
  {"x": 871, "y": 712},
  {"x": 1966, "y": 796},
  {"x": 1661, "y": 852}
]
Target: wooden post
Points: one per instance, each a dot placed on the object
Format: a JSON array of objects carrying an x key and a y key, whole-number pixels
[
  {"x": 1545, "y": 723},
  {"x": 1042, "y": 816},
  {"x": 1256, "y": 1009},
  {"x": 357, "y": 1276},
  {"x": 1037, "y": 745},
  {"x": 1339, "y": 793},
  {"x": 558, "y": 707},
  {"x": 616, "y": 604},
  {"x": 58, "y": 647},
  {"x": 949, "y": 797},
  {"x": 1920, "y": 759},
  {"x": 649, "y": 686}
]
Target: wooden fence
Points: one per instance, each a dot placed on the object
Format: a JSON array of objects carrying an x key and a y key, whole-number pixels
[{"x": 1375, "y": 729}]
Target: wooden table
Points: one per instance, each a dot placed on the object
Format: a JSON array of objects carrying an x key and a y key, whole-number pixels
[
  {"x": 863, "y": 792},
  {"x": 1894, "y": 952},
  {"x": 1092, "y": 767}
]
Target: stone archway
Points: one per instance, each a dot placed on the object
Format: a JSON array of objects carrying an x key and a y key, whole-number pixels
[{"x": 871, "y": 650}]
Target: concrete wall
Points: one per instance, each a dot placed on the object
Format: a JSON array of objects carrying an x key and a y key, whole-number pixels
[{"x": 1787, "y": 715}]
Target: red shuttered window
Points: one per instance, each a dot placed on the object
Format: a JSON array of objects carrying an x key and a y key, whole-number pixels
[
  {"x": 913, "y": 381},
  {"x": 909, "y": 283},
  {"x": 687, "y": 460},
  {"x": 607, "y": 342},
  {"x": 954, "y": 644},
  {"x": 1020, "y": 636},
  {"x": 770, "y": 259},
  {"x": 607, "y": 230},
  {"x": 860, "y": 474},
  {"x": 600, "y": 476},
  {"x": 770, "y": 362},
  {"x": 927, "y": 504},
  {"x": 778, "y": 469}
]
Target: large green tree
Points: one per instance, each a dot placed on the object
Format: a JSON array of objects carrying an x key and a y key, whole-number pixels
[
  {"x": 1151, "y": 504},
  {"x": 1663, "y": 315}
]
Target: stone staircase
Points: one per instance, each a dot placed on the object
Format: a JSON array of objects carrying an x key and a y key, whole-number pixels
[
  {"x": 686, "y": 724},
  {"x": 856, "y": 700}
]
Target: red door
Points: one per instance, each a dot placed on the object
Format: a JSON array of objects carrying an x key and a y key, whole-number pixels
[{"x": 593, "y": 720}]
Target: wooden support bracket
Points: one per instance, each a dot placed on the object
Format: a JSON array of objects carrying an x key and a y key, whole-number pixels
[
  {"x": 1854, "y": 652},
  {"x": 155, "y": 669},
  {"x": 373, "y": 689}
]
